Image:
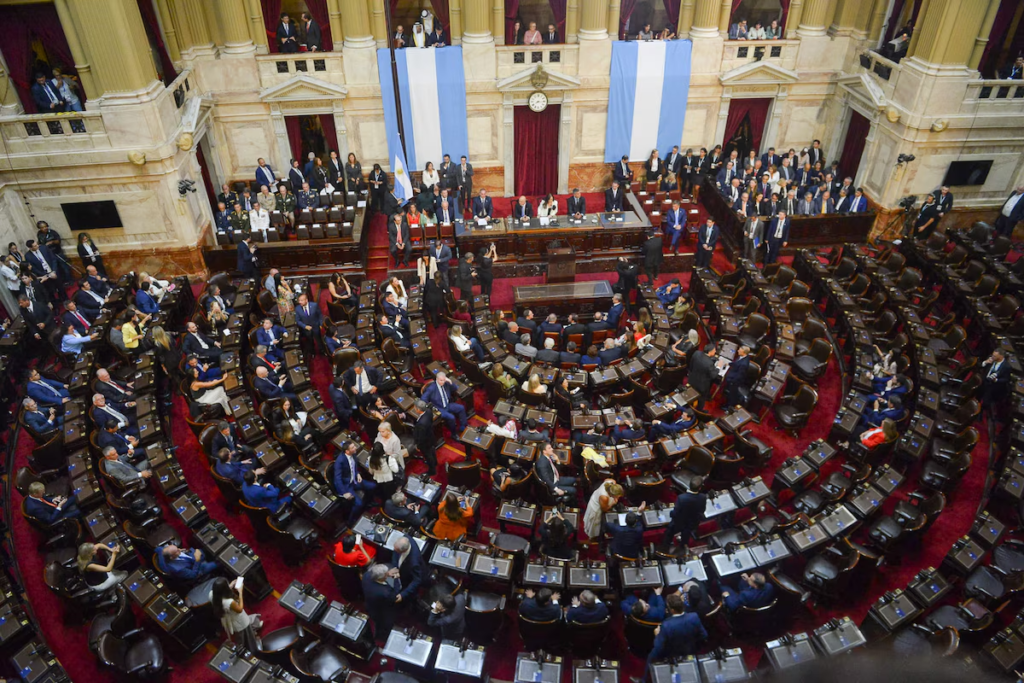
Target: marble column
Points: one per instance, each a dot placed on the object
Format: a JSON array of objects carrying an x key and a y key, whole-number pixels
[
  {"x": 479, "y": 16},
  {"x": 796, "y": 11},
  {"x": 356, "y": 20},
  {"x": 167, "y": 27},
  {"x": 948, "y": 31},
  {"x": 812, "y": 23},
  {"x": 198, "y": 25},
  {"x": 685, "y": 19},
  {"x": 9, "y": 104},
  {"x": 455, "y": 21},
  {"x": 986, "y": 28},
  {"x": 724, "y": 16},
  {"x": 877, "y": 20},
  {"x": 614, "y": 9},
  {"x": 258, "y": 30},
  {"x": 337, "y": 27},
  {"x": 572, "y": 21},
  {"x": 69, "y": 23},
  {"x": 851, "y": 17},
  {"x": 498, "y": 21},
  {"x": 594, "y": 20},
  {"x": 378, "y": 22},
  {"x": 181, "y": 26},
  {"x": 917, "y": 35},
  {"x": 122, "y": 65},
  {"x": 234, "y": 27},
  {"x": 705, "y": 19}
]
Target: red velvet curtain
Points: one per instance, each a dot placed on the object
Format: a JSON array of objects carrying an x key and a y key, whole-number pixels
[
  {"x": 294, "y": 126},
  {"x": 558, "y": 9},
  {"x": 536, "y": 150},
  {"x": 996, "y": 38},
  {"x": 318, "y": 10},
  {"x": 440, "y": 8},
  {"x": 271, "y": 18},
  {"x": 672, "y": 9},
  {"x": 511, "y": 12},
  {"x": 330, "y": 132},
  {"x": 853, "y": 148},
  {"x": 153, "y": 31},
  {"x": 19, "y": 26},
  {"x": 739, "y": 109},
  {"x": 625, "y": 12},
  {"x": 785, "y": 15}
]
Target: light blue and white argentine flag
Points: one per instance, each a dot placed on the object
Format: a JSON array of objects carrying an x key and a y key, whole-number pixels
[
  {"x": 432, "y": 85},
  {"x": 646, "y": 98}
]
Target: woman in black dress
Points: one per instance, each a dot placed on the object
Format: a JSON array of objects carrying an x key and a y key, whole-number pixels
[
  {"x": 354, "y": 174},
  {"x": 320, "y": 178},
  {"x": 378, "y": 187},
  {"x": 483, "y": 269},
  {"x": 90, "y": 253},
  {"x": 435, "y": 292},
  {"x": 336, "y": 171}
]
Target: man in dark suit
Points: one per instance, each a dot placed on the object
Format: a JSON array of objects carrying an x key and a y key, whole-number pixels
[
  {"x": 609, "y": 353},
  {"x": 464, "y": 180},
  {"x": 399, "y": 243},
  {"x": 441, "y": 395},
  {"x": 1014, "y": 71},
  {"x": 46, "y": 268},
  {"x": 407, "y": 560},
  {"x": 198, "y": 344},
  {"x": 522, "y": 209},
  {"x": 111, "y": 389},
  {"x": 725, "y": 177},
  {"x": 944, "y": 198},
  {"x": 540, "y": 606},
  {"x": 88, "y": 302},
  {"x": 1011, "y": 213},
  {"x": 679, "y": 635},
  {"x": 550, "y": 324},
  {"x": 576, "y": 206},
  {"x": 551, "y": 35},
  {"x": 548, "y": 353},
  {"x": 464, "y": 278},
  {"x": 246, "y": 261},
  {"x": 442, "y": 255},
  {"x": 50, "y": 509},
  {"x": 381, "y": 595},
  {"x": 446, "y": 172},
  {"x": 736, "y": 377},
  {"x": 341, "y": 401},
  {"x": 296, "y": 177},
  {"x": 46, "y": 96},
  {"x": 309, "y": 319},
  {"x": 754, "y": 592},
  {"x": 399, "y": 508},
  {"x": 269, "y": 389},
  {"x": 745, "y": 206},
  {"x": 778, "y": 237},
  {"x": 628, "y": 274},
  {"x": 547, "y": 473},
  {"x": 674, "y": 160},
  {"x": 614, "y": 197},
  {"x": 36, "y": 315},
  {"x": 770, "y": 158},
  {"x": 526, "y": 322},
  {"x": 437, "y": 38},
  {"x": 616, "y": 311},
  {"x": 703, "y": 373},
  {"x": 574, "y": 326},
  {"x": 622, "y": 172},
  {"x": 816, "y": 154},
  {"x": 390, "y": 330},
  {"x": 227, "y": 438},
  {"x": 995, "y": 386},
  {"x": 688, "y": 513},
  {"x": 348, "y": 483},
  {"x": 287, "y": 35},
  {"x": 626, "y": 540},
  {"x": 707, "y": 239},
  {"x": 586, "y": 609},
  {"x": 570, "y": 355},
  {"x": 927, "y": 219},
  {"x": 844, "y": 202},
  {"x": 653, "y": 256},
  {"x": 483, "y": 207},
  {"x": 311, "y": 34},
  {"x": 72, "y": 316}
]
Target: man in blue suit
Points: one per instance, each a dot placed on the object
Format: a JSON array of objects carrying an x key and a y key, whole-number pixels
[
  {"x": 586, "y": 609},
  {"x": 268, "y": 389},
  {"x": 347, "y": 481},
  {"x": 707, "y": 238},
  {"x": 412, "y": 570},
  {"x": 40, "y": 421},
  {"x": 233, "y": 468},
  {"x": 754, "y": 592},
  {"x": 626, "y": 540},
  {"x": 770, "y": 158},
  {"x": 669, "y": 293},
  {"x": 609, "y": 353},
  {"x": 675, "y": 224},
  {"x": 736, "y": 376},
  {"x": 540, "y": 606},
  {"x": 121, "y": 413},
  {"x": 74, "y": 317},
  {"x": 483, "y": 207},
  {"x": 340, "y": 400},
  {"x": 549, "y": 324},
  {"x": 882, "y": 409},
  {"x": 381, "y": 596},
  {"x": 46, "y": 268},
  {"x": 263, "y": 495},
  {"x": 1011, "y": 213},
  {"x": 859, "y": 203},
  {"x": 49, "y": 393},
  {"x": 110, "y": 437},
  {"x": 394, "y": 311},
  {"x": 309, "y": 318},
  {"x": 616, "y": 311},
  {"x": 614, "y": 197},
  {"x": 49, "y": 509},
  {"x": 679, "y": 634},
  {"x": 778, "y": 237},
  {"x": 246, "y": 261},
  {"x": 522, "y": 209},
  {"x": 621, "y": 172},
  {"x": 273, "y": 337},
  {"x": 652, "y": 609},
  {"x": 184, "y": 564},
  {"x": 440, "y": 395},
  {"x": 145, "y": 302},
  {"x": 725, "y": 177},
  {"x": 684, "y": 421},
  {"x": 46, "y": 96},
  {"x": 265, "y": 174}
]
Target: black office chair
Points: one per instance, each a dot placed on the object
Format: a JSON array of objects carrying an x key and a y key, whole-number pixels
[
  {"x": 639, "y": 635},
  {"x": 538, "y": 635},
  {"x": 320, "y": 661},
  {"x": 586, "y": 640},
  {"x": 119, "y": 621},
  {"x": 485, "y": 615},
  {"x": 276, "y": 646},
  {"x": 138, "y": 654}
]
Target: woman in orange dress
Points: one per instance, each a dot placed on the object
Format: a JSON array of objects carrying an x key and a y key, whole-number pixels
[{"x": 453, "y": 517}]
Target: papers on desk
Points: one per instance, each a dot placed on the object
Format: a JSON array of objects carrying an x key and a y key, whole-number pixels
[
  {"x": 544, "y": 220},
  {"x": 482, "y": 223},
  {"x": 361, "y": 204},
  {"x": 723, "y": 366},
  {"x": 622, "y": 519}
]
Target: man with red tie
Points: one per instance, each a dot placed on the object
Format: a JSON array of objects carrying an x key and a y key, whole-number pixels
[{"x": 72, "y": 316}]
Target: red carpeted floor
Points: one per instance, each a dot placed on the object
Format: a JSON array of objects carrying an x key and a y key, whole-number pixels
[{"x": 68, "y": 641}]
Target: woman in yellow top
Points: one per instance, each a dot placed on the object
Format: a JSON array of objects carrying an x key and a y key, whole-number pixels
[
  {"x": 453, "y": 517},
  {"x": 134, "y": 330}
]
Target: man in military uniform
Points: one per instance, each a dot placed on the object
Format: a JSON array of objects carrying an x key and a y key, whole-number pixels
[
  {"x": 285, "y": 203},
  {"x": 265, "y": 198},
  {"x": 240, "y": 220},
  {"x": 308, "y": 199},
  {"x": 227, "y": 196}
]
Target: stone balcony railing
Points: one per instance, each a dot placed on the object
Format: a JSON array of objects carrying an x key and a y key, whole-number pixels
[
  {"x": 561, "y": 57},
  {"x": 278, "y": 68},
  {"x": 736, "y": 53},
  {"x": 990, "y": 92},
  {"x": 48, "y": 133}
]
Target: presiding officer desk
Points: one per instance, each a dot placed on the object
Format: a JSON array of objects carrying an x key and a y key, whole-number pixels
[
  {"x": 522, "y": 247},
  {"x": 804, "y": 231}
]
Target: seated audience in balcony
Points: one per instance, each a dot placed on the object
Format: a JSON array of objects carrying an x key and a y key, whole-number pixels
[
  {"x": 532, "y": 35},
  {"x": 738, "y": 31},
  {"x": 773, "y": 31},
  {"x": 757, "y": 33},
  {"x": 667, "y": 34},
  {"x": 517, "y": 33},
  {"x": 1014, "y": 71},
  {"x": 646, "y": 33},
  {"x": 551, "y": 35}
]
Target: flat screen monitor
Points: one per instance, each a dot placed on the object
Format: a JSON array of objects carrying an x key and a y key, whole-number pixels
[
  {"x": 92, "y": 215},
  {"x": 967, "y": 173}
]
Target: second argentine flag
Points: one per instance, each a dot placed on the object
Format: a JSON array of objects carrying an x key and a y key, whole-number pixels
[
  {"x": 432, "y": 85},
  {"x": 646, "y": 97}
]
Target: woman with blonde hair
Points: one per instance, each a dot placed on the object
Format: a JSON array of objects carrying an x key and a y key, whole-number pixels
[
  {"x": 505, "y": 379},
  {"x": 601, "y": 501},
  {"x": 534, "y": 386},
  {"x": 99, "y": 577}
]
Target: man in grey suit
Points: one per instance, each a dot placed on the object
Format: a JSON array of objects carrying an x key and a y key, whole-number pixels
[
  {"x": 807, "y": 206},
  {"x": 753, "y": 237},
  {"x": 122, "y": 471},
  {"x": 464, "y": 181}
]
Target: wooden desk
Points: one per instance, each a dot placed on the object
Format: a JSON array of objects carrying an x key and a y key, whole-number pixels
[{"x": 574, "y": 297}]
